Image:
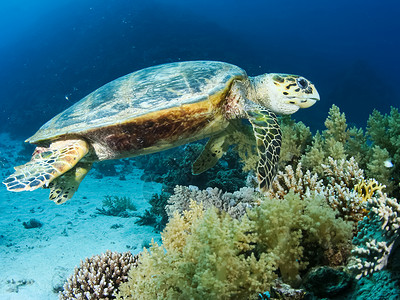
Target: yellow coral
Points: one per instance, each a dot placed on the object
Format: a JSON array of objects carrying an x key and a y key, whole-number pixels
[
  {"x": 211, "y": 259},
  {"x": 367, "y": 189},
  {"x": 210, "y": 255}
]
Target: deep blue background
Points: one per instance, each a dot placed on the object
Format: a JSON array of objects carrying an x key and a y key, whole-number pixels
[{"x": 53, "y": 53}]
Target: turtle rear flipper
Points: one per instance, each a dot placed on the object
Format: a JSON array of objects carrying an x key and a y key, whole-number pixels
[
  {"x": 213, "y": 151},
  {"x": 64, "y": 187},
  {"x": 46, "y": 164}
]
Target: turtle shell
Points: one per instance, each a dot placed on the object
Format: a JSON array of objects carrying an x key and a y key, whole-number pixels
[{"x": 147, "y": 91}]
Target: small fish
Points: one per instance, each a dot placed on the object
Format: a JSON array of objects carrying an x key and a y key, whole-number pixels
[{"x": 388, "y": 163}]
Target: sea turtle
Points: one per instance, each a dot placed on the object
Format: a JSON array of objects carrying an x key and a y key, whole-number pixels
[{"x": 158, "y": 108}]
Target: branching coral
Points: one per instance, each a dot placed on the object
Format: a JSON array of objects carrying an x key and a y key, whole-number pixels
[
  {"x": 300, "y": 182},
  {"x": 342, "y": 176},
  {"x": 367, "y": 189},
  {"x": 235, "y": 204},
  {"x": 98, "y": 277},
  {"x": 336, "y": 184},
  {"x": 378, "y": 234}
]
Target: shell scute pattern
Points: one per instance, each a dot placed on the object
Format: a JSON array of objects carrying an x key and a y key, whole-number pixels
[{"x": 139, "y": 93}]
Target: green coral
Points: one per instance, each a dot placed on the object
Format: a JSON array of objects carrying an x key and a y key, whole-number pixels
[
  {"x": 371, "y": 149},
  {"x": 376, "y": 167},
  {"x": 295, "y": 138},
  {"x": 210, "y": 255},
  {"x": 384, "y": 133},
  {"x": 116, "y": 206},
  {"x": 156, "y": 216},
  {"x": 334, "y": 142},
  {"x": 203, "y": 258},
  {"x": 291, "y": 227}
]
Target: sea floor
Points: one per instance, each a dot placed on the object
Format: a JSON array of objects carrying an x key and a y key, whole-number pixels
[{"x": 37, "y": 260}]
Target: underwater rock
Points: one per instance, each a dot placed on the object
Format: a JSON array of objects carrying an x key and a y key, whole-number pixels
[
  {"x": 32, "y": 223},
  {"x": 15, "y": 285},
  {"x": 284, "y": 291},
  {"x": 326, "y": 282},
  {"x": 58, "y": 279}
]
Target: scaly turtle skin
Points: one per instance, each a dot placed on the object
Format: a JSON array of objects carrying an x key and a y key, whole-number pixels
[{"x": 158, "y": 108}]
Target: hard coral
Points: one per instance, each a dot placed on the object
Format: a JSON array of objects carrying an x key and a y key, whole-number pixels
[
  {"x": 336, "y": 182},
  {"x": 378, "y": 235},
  {"x": 300, "y": 182},
  {"x": 98, "y": 277},
  {"x": 235, "y": 204},
  {"x": 341, "y": 178}
]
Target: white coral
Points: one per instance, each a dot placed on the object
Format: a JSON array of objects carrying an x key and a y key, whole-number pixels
[
  {"x": 98, "y": 277},
  {"x": 234, "y": 204},
  {"x": 374, "y": 254},
  {"x": 295, "y": 180}
]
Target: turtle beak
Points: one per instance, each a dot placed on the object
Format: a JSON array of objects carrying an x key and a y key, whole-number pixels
[
  {"x": 308, "y": 99},
  {"x": 307, "y": 102}
]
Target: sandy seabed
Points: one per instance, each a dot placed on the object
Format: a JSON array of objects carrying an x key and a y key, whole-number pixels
[{"x": 34, "y": 261}]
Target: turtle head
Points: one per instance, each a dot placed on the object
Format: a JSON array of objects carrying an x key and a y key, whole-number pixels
[{"x": 284, "y": 93}]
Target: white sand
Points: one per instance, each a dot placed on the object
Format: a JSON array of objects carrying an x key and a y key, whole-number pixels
[{"x": 34, "y": 260}]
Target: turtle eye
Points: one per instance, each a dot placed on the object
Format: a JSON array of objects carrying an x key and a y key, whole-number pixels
[{"x": 302, "y": 83}]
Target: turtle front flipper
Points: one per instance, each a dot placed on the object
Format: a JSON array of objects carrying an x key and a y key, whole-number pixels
[
  {"x": 216, "y": 147},
  {"x": 46, "y": 164},
  {"x": 64, "y": 187},
  {"x": 268, "y": 136}
]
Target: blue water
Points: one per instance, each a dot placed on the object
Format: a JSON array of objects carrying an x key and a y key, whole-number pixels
[{"x": 53, "y": 53}]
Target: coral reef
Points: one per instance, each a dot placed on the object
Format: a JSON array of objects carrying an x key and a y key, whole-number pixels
[
  {"x": 341, "y": 178},
  {"x": 116, "y": 206},
  {"x": 384, "y": 133},
  {"x": 174, "y": 167},
  {"x": 295, "y": 138},
  {"x": 226, "y": 241},
  {"x": 299, "y": 231},
  {"x": 98, "y": 277},
  {"x": 301, "y": 183},
  {"x": 207, "y": 253},
  {"x": 379, "y": 285},
  {"x": 327, "y": 283},
  {"x": 337, "y": 142},
  {"x": 376, "y": 150},
  {"x": 336, "y": 184},
  {"x": 235, "y": 204},
  {"x": 367, "y": 189},
  {"x": 157, "y": 215},
  {"x": 378, "y": 235},
  {"x": 202, "y": 257}
]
